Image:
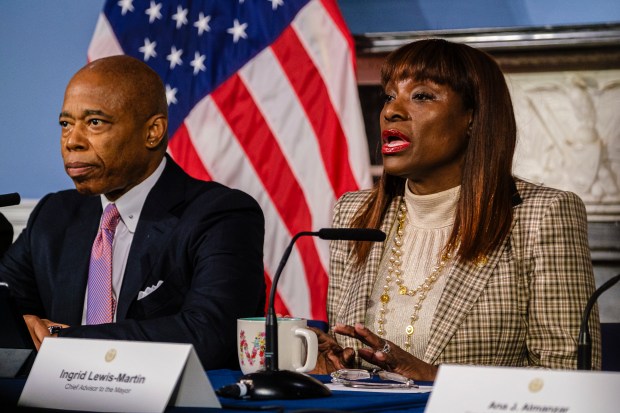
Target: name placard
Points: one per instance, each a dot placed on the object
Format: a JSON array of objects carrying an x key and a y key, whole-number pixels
[
  {"x": 116, "y": 376},
  {"x": 473, "y": 389}
]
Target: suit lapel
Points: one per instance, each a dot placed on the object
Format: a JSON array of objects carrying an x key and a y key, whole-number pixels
[
  {"x": 360, "y": 286},
  {"x": 465, "y": 284},
  {"x": 72, "y": 274},
  {"x": 153, "y": 230}
]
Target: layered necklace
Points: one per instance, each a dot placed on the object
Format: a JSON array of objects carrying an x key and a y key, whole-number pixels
[{"x": 395, "y": 273}]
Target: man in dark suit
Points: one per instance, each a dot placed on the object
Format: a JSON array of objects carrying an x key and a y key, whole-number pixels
[{"x": 185, "y": 260}]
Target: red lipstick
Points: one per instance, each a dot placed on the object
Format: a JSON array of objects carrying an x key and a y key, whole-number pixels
[{"x": 394, "y": 141}]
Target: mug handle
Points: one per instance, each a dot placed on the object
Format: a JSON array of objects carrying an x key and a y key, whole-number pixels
[{"x": 312, "y": 346}]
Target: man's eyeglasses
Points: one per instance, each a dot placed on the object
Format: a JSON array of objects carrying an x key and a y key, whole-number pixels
[{"x": 374, "y": 379}]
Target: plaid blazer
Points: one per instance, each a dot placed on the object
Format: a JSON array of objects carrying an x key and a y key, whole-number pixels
[{"x": 522, "y": 308}]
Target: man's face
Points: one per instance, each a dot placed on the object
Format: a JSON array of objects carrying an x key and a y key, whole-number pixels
[{"x": 103, "y": 141}]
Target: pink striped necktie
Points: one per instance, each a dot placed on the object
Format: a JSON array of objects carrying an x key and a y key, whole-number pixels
[{"x": 100, "y": 306}]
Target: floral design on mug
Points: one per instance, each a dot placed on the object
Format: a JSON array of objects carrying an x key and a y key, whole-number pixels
[{"x": 258, "y": 347}]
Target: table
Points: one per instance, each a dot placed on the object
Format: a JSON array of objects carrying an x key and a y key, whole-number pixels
[
  {"x": 338, "y": 401},
  {"x": 10, "y": 389}
]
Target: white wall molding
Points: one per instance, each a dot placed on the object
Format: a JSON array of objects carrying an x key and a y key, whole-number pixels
[{"x": 18, "y": 214}]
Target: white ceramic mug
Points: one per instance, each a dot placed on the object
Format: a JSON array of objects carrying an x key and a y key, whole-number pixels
[{"x": 297, "y": 345}]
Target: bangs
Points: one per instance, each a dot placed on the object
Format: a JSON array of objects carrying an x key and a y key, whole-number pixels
[{"x": 432, "y": 60}]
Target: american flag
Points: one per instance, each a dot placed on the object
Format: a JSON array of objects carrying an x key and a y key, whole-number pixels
[{"x": 262, "y": 97}]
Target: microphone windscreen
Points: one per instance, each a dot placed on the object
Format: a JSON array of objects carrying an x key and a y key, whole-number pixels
[
  {"x": 352, "y": 234},
  {"x": 9, "y": 199}
]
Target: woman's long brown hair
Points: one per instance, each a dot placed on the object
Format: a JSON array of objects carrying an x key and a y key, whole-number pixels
[{"x": 484, "y": 209}]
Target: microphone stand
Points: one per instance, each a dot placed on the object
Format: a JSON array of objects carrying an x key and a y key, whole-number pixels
[
  {"x": 271, "y": 321},
  {"x": 584, "y": 346},
  {"x": 272, "y": 383}
]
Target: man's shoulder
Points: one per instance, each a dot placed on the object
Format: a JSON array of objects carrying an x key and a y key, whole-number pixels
[
  {"x": 216, "y": 193},
  {"x": 196, "y": 197},
  {"x": 175, "y": 176},
  {"x": 56, "y": 211},
  {"x": 66, "y": 199}
]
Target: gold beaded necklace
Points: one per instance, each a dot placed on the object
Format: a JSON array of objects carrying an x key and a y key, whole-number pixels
[{"x": 395, "y": 272}]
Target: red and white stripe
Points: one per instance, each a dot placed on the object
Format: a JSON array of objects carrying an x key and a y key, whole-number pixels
[{"x": 300, "y": 97}]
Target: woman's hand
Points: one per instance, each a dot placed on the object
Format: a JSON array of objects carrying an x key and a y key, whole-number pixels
[
  {"x": 331, "y": 356},
  {"x": 388, "y": 355}
]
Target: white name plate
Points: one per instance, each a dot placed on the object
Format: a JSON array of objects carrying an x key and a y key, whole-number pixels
[
  {"x": 469, "y": 389},
  {"x": 116, "y": 376}
]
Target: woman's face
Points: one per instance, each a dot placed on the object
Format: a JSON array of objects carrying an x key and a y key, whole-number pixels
[{"x": 424, "y": 134}]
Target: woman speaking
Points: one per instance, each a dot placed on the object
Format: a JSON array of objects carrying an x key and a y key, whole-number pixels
[{"x": 479, "y": 267}]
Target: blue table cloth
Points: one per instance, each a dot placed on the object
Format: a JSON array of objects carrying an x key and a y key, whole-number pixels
[{"x": 339, "y": 400}]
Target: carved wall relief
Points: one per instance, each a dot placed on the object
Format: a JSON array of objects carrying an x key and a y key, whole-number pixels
[{"x": 569, "y": 135}]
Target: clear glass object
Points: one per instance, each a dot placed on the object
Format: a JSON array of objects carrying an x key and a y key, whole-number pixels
[{"x": 371, "y": 379}]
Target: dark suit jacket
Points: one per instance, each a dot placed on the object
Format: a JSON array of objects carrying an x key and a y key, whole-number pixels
[{"x": 202, "y": 239}]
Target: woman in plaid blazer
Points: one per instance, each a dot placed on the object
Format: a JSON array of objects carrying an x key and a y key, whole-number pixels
[{"x": 479, "y": 267}]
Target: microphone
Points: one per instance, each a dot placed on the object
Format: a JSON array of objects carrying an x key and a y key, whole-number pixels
[
  {"x": 272, "y": 383},
  {"x": 351, "y": 234},
  {"x": 584, "y": 346},
  {"x": 9, "y": 199}
]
